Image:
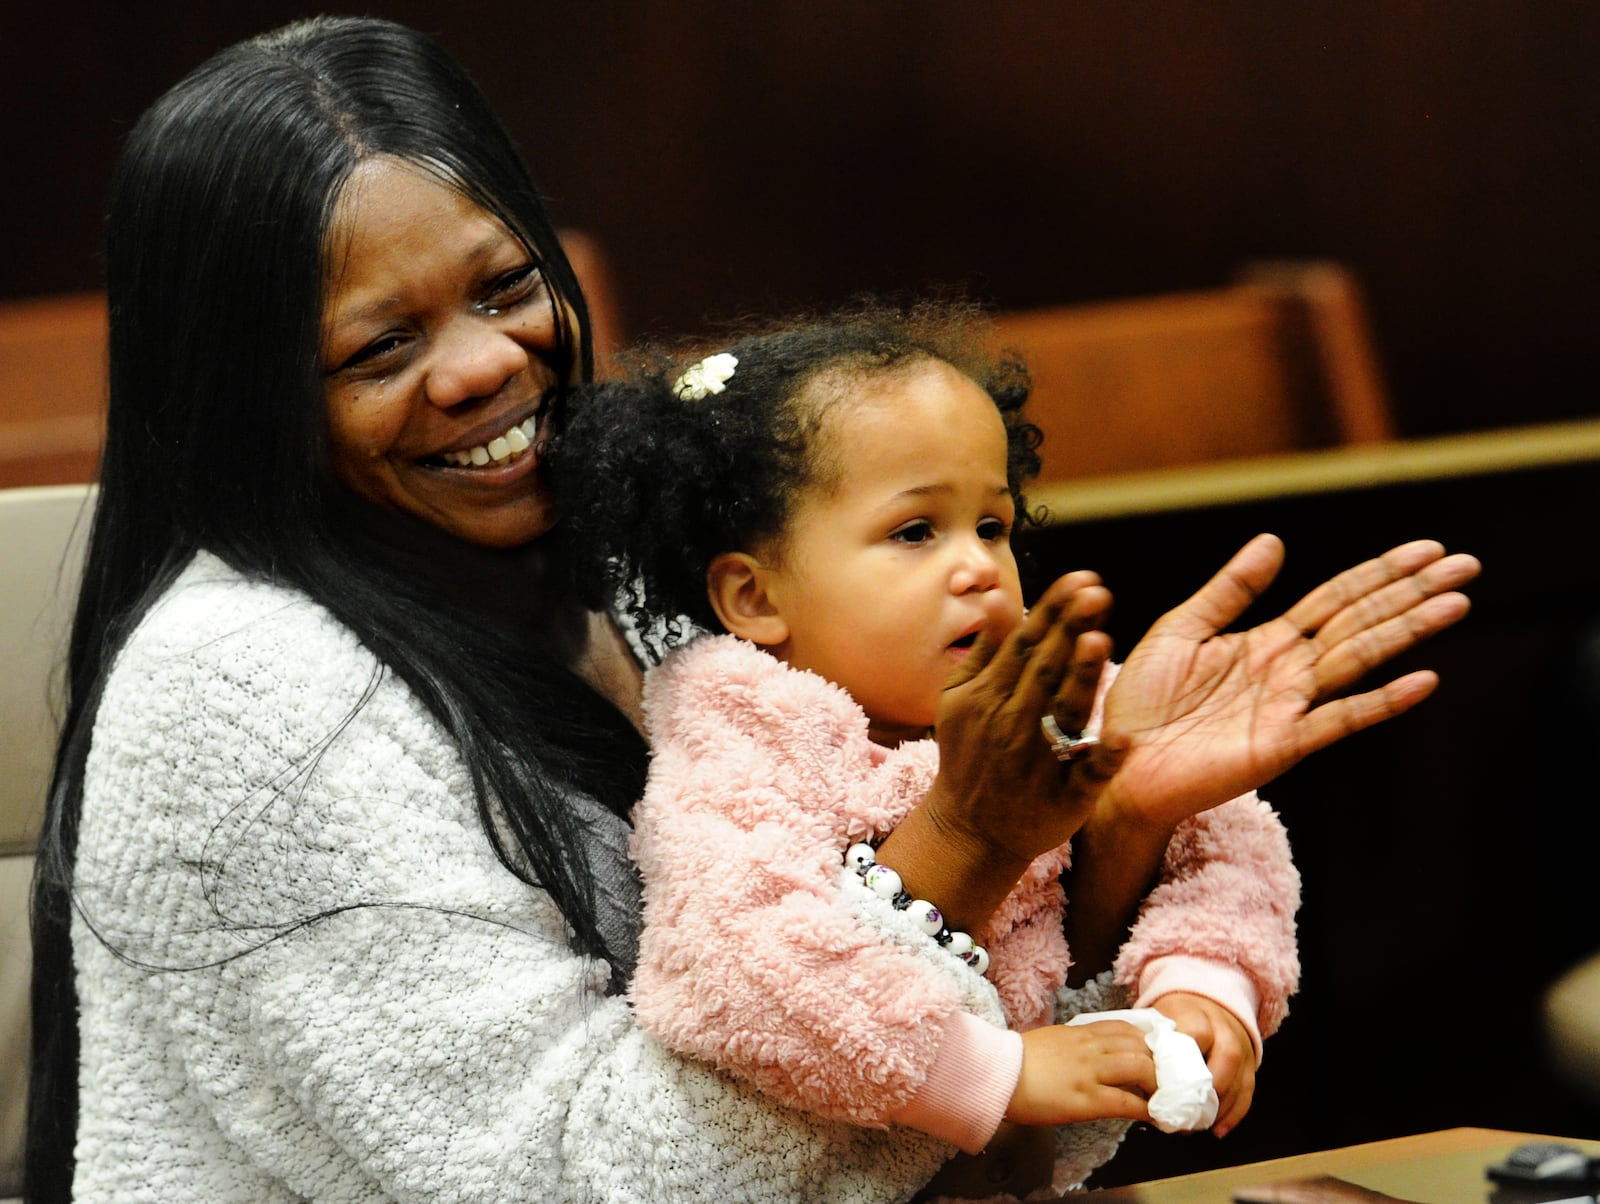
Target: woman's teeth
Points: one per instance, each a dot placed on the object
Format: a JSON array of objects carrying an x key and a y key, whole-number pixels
[{"x": 499, "y": 449}]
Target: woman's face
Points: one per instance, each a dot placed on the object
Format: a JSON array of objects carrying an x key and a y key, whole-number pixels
[{"x": 440, "y": 357}]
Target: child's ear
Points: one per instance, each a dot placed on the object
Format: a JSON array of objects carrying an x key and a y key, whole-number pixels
[{"x": 736, "y": 583}]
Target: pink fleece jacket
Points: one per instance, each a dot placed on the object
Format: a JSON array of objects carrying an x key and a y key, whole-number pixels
[{"x": 753, "y": 959}]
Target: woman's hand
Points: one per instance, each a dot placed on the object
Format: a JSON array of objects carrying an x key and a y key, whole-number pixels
[
  {"x": 1207, "y": 716},
  {"x": 1019, "y": 1160},
  {"x": 1001, "y": 798},
  {"x": 998, "y": 777},
  {"x": 1226, "y": 1046}
]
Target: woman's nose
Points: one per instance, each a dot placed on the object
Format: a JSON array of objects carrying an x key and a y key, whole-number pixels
[{"x": 473, "y": 358}]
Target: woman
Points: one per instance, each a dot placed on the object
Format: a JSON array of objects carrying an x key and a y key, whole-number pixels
[{"x": 316, "y": 753}]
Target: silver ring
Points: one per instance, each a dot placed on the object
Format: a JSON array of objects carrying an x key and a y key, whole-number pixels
[{"x": 1065, "y": 747}]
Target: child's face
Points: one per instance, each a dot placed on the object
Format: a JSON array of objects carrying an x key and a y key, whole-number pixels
[{"x": 887, "y": 577}]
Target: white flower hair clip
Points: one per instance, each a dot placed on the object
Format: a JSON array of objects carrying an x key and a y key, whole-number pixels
[{"x": 710, "y": 375}]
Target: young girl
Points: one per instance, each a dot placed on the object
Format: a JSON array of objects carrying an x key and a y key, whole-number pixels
[{"x": 838, "y": 501}]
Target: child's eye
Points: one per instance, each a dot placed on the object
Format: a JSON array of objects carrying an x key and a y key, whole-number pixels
[
  {"x": 919, "y": 531},
  {"x": 513, "y": 288},
  {"x": 993, "y": 529}
]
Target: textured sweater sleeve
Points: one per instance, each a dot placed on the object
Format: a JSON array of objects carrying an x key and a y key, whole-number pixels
[
  {"x": 1225, "y": 904},
  {"x": 304, "y": 975},
  {"x": 757, "y": 954}
]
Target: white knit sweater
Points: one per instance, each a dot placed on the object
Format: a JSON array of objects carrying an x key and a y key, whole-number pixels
[{"x": 304, "y": 975}]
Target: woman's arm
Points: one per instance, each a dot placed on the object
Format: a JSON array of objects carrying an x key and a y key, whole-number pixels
[
  {"x": 307, "y": 970},
  {"x": 1199, "y": 715},
  {"x": 1001, "y": 798},
  {"x": 1114, "y": 866}
]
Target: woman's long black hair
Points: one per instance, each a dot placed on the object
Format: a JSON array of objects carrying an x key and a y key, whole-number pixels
[{"x": 216, "y": 439}]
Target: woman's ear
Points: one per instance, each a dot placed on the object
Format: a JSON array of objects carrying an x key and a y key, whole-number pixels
[{"x": 736, "y": 583}]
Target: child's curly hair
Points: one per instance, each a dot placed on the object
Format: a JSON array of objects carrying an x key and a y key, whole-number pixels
[{"x": 653, "y": 487}]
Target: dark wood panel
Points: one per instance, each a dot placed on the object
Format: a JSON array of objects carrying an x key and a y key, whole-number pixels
[
  {"x": 736, "y": 156},
  {"x": 1448, "y": 856}
]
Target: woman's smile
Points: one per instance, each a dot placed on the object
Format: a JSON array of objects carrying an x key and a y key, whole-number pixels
[{"x": 504, "y": 448}]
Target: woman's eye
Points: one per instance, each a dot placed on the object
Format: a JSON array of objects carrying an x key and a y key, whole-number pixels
[
  {"x": 513, "y": 288},
  {"x": 918, "y": 532},
  {"x": 374, "y": 354}
]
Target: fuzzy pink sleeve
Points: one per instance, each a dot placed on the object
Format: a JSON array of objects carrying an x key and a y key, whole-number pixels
[
  {"x": 751, "y": 959},
  {"x": 1226, "y": 900}
]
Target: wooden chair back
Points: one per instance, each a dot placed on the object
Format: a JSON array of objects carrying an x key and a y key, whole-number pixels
[
  {"x": 1280, "y": 361},
  {"x": 52, "y": 389}
]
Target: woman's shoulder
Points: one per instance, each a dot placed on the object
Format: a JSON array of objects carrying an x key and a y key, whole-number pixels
[
  {"x": 213, "y": 610},
  {"x": 221, "y": 642}
]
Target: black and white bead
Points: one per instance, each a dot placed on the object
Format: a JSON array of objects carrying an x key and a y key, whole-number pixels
[{"x": 886, "y": 884}]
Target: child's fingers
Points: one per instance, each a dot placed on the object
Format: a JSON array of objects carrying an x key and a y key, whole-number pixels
[
  {"x": 1120, "y": 1055},
  {"x": 1108, "y": 1102},
  {"x": 1233, "y": 1073},
  {"x": 1235, "y": 1105},
  {"x": 1073, "y": 1073}
]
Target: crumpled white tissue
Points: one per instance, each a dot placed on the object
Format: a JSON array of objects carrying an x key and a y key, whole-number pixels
[{"x": 1185, "y": 1097}]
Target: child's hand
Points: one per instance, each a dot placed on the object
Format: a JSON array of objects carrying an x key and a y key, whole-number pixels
[
  {"x": 1209, "y": 716},
  {"x": 1228, "y": 1051},
  {"x": 1073, "y": 1073}
]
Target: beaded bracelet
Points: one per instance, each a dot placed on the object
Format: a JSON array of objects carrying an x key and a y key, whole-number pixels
[{"x": 886, "y": 884}]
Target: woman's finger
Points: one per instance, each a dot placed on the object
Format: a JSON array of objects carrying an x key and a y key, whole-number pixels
[
  {"x": 1052, "y": 661},
  {"x": 1227, "y": 595},
  {"x": 1400, "y": 596},
  {"x": 1073, "y": 702},
  {"x": 1332, "y": 721},
  {"x": 1016, "y": 642},
  {"x": 1319, "y": 606},
  {"x": 1348, "y": 660},
  {"x": 997, "y": 629}
]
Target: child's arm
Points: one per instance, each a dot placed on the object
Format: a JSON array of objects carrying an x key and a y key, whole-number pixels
[
  {"x": 752, "y": 957},
  {"x": 1214, "y": 947},
  {"x": 762, "y": 953}
]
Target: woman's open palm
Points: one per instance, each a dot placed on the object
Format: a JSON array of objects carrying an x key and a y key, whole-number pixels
[{"x": 1206, "y": 716}]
